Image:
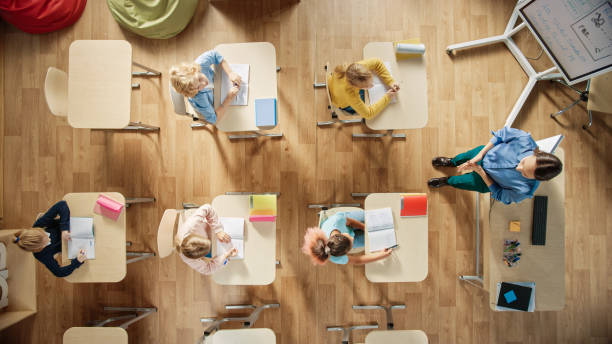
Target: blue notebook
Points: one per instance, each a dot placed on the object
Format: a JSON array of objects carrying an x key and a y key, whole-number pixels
[{"x": 265, "y": 112}]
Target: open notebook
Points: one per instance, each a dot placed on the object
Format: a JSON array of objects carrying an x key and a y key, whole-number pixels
[
  {"x": 234, "y": 226},
  {"x": 381, "y": 232},
  {"x": 226, "y": 84},
  {"x": 380, "y": 88},
  {"x": 81, "y": 237}
]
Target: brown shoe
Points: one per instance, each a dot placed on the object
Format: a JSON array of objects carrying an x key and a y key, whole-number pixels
[
  {"x": 437, "y": 182},
  {"x": 441, "y": 161}
]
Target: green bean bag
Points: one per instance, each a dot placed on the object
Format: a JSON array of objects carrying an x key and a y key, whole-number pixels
[{"x": 158, "y": 19}]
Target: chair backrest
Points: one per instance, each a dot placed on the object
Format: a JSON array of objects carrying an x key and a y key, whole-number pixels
[
  {"x": 550, "y": 144},
  {"x": 56, "y": 91},
  {"x": 165, "y": 233},
  {"x": 178, "y": 101}
]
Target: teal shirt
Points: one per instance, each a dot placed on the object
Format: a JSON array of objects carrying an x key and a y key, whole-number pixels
[{"x": 337, "y": 222}]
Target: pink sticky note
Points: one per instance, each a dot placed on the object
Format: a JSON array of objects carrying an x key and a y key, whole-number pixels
[
  {"x": 108, "y": 207},
  {"x": 262, "y": 218}
]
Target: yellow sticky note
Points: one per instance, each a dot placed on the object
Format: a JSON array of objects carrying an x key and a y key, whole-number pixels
[
  {"x": 515, "y": 226},
  {"x": 263, "y": 205}
]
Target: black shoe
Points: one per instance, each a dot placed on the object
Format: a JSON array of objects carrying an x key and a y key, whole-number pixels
[
  {"x": 437, "y": 182},
  {"x": 441, "y": 161}
]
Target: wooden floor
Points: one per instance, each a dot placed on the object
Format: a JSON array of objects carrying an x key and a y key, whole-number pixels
[{"x": 468, "y": 95}]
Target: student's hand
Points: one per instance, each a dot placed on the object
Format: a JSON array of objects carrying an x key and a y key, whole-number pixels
[
  {"x": 395, "y": 87},
  {"x": 385, "y": 253},
  {"x": 81, "y": 257},
  {"x": 224, "y": 237},
  {"x": 66, "y": 235},
  {"x": 233, "y": 92},
  {"x": 391, "y": 93},
  {"x": 231, "y": 253},
  {"x": 235, "y": 78}
]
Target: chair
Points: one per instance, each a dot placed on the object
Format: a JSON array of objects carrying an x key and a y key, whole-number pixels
[
  {"x": 326, "y": 212},
  {"x": 334, "y": 110},
  {"x": 165, "y": 233},
  {"x": 56, "y": 91},
  {"x": 246, "y": 321},
  {"x": 596, "y": 95},
  {"x": 184, "y": 108}
]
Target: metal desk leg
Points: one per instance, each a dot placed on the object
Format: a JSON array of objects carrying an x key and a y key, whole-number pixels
[
  {"x": 247, "y": 322},
  {"x": 132, "y": 200},
  {"x": 333, "y": 205},
  {"x": 388, "y": 311},
  {"x": 247, "y": 193},
  {"x": 149, "y": 71},
  {"x": 139, "y": 256},
  {"x": 141, "y": 126},
  {"x": 346, "y": 331},
  {"x": 145, "y": 312},
  {"x": 254, "y": 135},
  {"x": 478, "y": 277}
]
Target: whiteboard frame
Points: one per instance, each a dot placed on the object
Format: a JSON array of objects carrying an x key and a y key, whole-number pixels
[{"x": 524, "y": 3}]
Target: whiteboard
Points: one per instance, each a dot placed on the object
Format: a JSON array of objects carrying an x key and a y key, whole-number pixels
[{"x": 576, "y": 34}]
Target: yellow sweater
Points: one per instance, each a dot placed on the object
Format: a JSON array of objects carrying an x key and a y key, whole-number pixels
[{"x": 344, "y": 94}]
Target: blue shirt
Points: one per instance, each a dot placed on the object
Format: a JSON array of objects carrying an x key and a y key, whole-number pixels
[
  {"x": 54, "y": 227},
  {"x": 511, "y": 146},
  {"x": 337, "y": 222},
  {"x": 203, "y": 102}
]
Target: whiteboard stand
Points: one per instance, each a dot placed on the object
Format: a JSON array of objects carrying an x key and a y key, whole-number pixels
[{"x": 506, "y": 38}]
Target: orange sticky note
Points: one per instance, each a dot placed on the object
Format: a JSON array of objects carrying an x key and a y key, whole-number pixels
[{"x": 515, "y": 226}]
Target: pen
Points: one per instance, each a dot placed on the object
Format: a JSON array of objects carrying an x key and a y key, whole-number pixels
[{"x": 394, "y": 246}]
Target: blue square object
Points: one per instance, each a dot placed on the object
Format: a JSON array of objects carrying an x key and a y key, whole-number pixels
[{"x": 510, "y": 296}]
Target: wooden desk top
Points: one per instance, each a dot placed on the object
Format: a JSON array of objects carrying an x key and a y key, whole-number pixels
[
  {"x": 261, "y": 57},
  {"x": 99, "y": 84},
  {"x": 397, "y": 336},
  {"x": 251, "y": 336},
  {"x": 600, "y": 93},
  {"x": 410, "y": 111},
  {"x": 408, "y": 263},
  {"x": 109, "y": 265},
  {"x": 259, "y": 265},
  {"x": 544, "y": 265},
  {"x": 95, "y": 335}
]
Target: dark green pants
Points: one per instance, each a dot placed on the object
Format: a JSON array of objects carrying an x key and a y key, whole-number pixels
[{"x": 469, "y": 181}]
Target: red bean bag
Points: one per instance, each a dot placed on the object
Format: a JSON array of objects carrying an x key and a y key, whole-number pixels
[{"x": 41, "y": 16}]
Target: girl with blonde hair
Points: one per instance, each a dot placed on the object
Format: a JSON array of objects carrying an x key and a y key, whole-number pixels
[
  {"x": 338, "y": 234},
  {"x": 195, "y": 81},
  {"x": 348, "y": 82},
  {"x": 46, "y": 242},
  {"x": 193, "y": 244}
]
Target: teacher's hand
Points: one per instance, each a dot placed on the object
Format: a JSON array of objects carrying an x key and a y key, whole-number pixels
[{"x": 66, "y": 235}]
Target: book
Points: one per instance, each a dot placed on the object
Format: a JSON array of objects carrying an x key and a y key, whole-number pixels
[
  {"x": 381, "y": 231},
  {"x": 265, "y": 112},
  {"x": 81, "y": 237},
  {"x": 226, "y": 84},
  {"x": 108, "y": 207},
  {"x": 413, "y": 205},
  {"x": 376, "y": 92},
  {"x": 234, "y": 227},
  {"x": 262, "y": 208},
  {"x": 516, "y": 296}
]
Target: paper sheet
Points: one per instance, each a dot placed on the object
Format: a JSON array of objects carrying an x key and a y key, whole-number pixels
[
  {"x": 234, "y": 227},
  {"x": 380, "y": 240},
  {"x": 226, "y": 84},
  {"x": 81, "y": 237},
  {"x": 380, "y": 88}
]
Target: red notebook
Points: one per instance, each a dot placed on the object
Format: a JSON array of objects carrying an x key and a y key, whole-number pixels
[{"x": 414, "y": 205}]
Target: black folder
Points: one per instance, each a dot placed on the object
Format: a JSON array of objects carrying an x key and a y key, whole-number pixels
[{"x": 514, "y": 296}]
